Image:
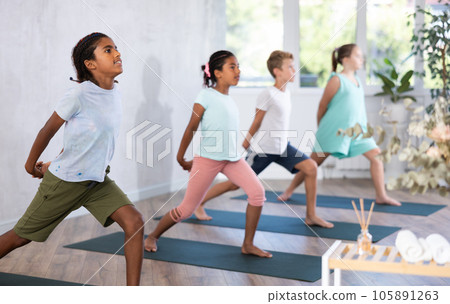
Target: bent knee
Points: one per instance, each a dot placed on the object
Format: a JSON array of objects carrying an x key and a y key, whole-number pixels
[
  {"x": 372, "y": 155},
  {"x": 233, "y": 187},
  {"x": 133, "y": 223},
  {"x": 178, "y": 214},
  {"x": 257, "y": 196},
  {"x": 309, "y": 168},
  {"x": 375, "y": 151}
]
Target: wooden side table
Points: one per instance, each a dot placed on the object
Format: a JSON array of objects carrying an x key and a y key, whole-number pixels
[{"x": 344, "y": 256}]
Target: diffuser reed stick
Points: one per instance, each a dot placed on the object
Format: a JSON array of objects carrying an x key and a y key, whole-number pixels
[
  {"x": 357, "y": 214},
  {"x": 370, "y": 214}
]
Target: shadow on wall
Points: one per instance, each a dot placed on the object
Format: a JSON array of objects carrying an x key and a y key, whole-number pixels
[{"x": 156, "y": 150}]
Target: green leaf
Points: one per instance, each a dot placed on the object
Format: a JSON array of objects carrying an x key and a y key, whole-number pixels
[
  {"x": 388, "y": 62},
  {"x": 408, "y": 96},
  {"x": 387, "y": 82},
  {"x": 389, "y": 91},
  {"x": 394, "y": 74},
  {"x": 408, "y": 90},
  {"x": 404, "y": 88},
  {"x": 407, "y": 77}
]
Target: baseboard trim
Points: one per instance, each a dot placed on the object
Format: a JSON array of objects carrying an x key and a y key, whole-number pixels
[{"x": 155, "y": 190}]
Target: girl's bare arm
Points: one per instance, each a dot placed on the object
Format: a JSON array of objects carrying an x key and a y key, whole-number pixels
[
  {"x": 196, "y": 117},
  {"x": 40, "y": 143},
  {"x": 328, "y": 94}
]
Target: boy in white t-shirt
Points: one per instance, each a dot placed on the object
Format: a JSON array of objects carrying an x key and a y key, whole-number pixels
[{"x": 273, "y": 109}]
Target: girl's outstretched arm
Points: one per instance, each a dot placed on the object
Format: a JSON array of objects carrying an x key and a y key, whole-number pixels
[
  {"x": 259, "y": 116},
  {"x": 40, "y": 143},
  {"x": 328, "y": 94},
  {"x": 197, "y": 114}
]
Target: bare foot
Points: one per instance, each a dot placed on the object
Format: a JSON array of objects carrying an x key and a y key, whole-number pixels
[
  {"x": 285, "y": 196},
  {"x": 201, "y": 214},
  {"x": 252, "y": 249},
  {"x": 150, "y": 244},
  {"x": 317, "y": 221},
  {"x": 387, "y": 201}
]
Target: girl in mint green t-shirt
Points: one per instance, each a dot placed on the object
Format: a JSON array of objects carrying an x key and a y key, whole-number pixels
[{"x": 218, "y": 115}]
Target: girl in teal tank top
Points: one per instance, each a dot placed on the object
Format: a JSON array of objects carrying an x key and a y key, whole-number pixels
[
  {"x": 342, "y": 106},
  {"x": 345, "y": 109}
]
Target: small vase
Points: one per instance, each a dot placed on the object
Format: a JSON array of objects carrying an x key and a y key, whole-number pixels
[{"x": 364, "y": 241}]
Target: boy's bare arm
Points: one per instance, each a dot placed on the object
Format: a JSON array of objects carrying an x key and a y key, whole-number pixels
[{"x": 259, "y": 116}]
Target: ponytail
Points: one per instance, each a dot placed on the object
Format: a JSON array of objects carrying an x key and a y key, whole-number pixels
[
  {"x": 340, "y": 53},
  {"x": 334, "y": 61},
  {"x": 206, "y": 74}
]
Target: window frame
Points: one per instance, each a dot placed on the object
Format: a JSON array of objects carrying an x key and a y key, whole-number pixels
[{"x": 291, "y": 43}]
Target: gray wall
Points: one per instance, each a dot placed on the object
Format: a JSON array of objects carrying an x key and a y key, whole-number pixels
[{"x": 172, "y": 38}]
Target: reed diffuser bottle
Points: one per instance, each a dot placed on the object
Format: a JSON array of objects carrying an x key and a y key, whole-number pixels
[{"x": 364, "y": 241}]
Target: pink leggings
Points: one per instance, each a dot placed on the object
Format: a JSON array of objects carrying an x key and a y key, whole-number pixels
[{"x": 203, "y": 172}]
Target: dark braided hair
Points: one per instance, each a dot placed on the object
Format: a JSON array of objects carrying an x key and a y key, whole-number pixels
[
  {"x": 216, "y": 62},
  {"x": 341, "y": 52},
  {"x": 84, "y": 50}
]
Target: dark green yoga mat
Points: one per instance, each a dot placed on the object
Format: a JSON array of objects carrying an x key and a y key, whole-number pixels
[
  {"x": 282, "y": 265},
  {"x": 293, "y": 225},
  {"x": 10, "y": 279},
  {"x": 346, "y": 203}
]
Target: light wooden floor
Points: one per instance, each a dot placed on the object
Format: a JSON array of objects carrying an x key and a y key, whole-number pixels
[{"x": 51, "y": 260}]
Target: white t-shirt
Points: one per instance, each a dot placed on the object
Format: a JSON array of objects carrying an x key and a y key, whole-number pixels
[
  {"x": 219, "y": 126},
  {"x": 275, "y": 124},
  {"x": 93, "y": 117}
]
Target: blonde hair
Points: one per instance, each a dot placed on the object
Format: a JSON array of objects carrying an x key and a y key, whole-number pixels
[{"x": 276, "y": 60}]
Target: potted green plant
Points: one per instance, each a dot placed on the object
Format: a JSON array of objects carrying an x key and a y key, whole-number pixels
[
  {"x": 394, "y": 85},
  {"x": 431, "y": 41}
]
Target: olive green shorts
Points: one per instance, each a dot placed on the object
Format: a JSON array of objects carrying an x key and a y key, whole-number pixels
[{"x": 56, "y": 199}]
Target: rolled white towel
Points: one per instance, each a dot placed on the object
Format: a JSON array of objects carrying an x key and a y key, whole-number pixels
[
  {"x": 440, "y": 248},
  {"x": 410, "y": 248},
  {"x": 427, "y": 254}
]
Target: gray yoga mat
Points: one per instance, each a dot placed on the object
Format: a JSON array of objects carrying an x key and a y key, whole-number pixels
[
  {"x": 283, "y": 265},
  {"x": 344, "y": 202},
  {"x": 293, "y": 225},
  {"x": 11, "y": 279}
]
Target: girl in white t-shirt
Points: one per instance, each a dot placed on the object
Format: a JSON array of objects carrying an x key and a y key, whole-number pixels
[
  {"x": 218, "y": 115},
  {"x": 91, "y": 113}
]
